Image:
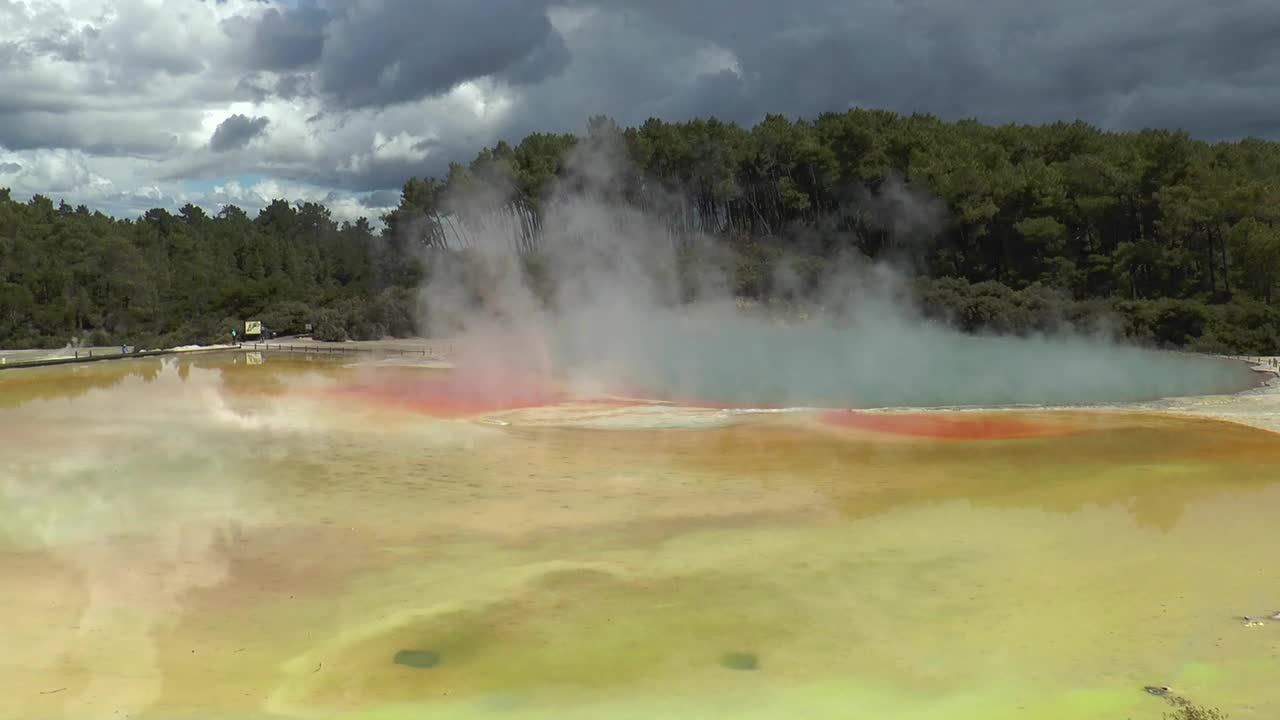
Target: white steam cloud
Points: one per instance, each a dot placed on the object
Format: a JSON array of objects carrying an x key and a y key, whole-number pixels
[{"x": 617, "y": 318}]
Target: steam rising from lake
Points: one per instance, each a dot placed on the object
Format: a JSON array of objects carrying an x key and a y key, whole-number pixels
[{"x": 618, "y": 321}]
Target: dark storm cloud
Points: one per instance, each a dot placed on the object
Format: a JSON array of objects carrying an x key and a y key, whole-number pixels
[
  {"x": 63, "y": 43},
  {"x": 9, "y": 168},
  {"x": 372, "y": 176},
  {"x": 1212, "y": 71},
  {"x": 138, "y": 82},
  {"x": 258, "y": 87},
  {"x": 382, "y": 53},
  {"x": 381, "y": 198},
  {"x": 236, "y": 131},
  {"x": 288, "y": 39},
  {"x": 18, "y": 104},
  {"x": 391, "y": 173},
  {"x": 1119, "y": 65},
  {"x": 547, "y": 58},
  {"x": 35, "y": 128}
]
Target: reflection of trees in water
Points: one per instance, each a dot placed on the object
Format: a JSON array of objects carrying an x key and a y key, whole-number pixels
[
  {"x": 1155, "y": 472},
  {"x": 18, "y": 387},
  {"x": 1154, "y": 467},
  {"x": 67, "y": 382},
  {"x": 1151, "y": 472},
  {"x": 274, "y": 374},
  {"x": 142, "y": 522}
]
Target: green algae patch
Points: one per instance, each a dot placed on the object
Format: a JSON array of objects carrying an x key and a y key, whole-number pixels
[
  {"x": 421, "y": 659},
  {"x": 586, "y": 635},
  {"x": 1200, "y": 673},
  {"x": 740, "y": 661}
]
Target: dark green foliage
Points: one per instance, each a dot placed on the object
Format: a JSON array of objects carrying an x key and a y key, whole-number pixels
[
  {"x": 166, "y": 279},
  {"x": 1020, "y": 229},
  {"x": 289, "y": 317},
  {"x": 330, "y": 326}
]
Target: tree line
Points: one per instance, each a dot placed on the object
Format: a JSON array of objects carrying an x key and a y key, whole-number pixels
[
  {"x": 73, "y": 275},
  {"x": 1156, "y": 235}
]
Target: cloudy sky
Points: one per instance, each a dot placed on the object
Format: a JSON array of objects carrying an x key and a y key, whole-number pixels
[{"x": 129, "y": 104}]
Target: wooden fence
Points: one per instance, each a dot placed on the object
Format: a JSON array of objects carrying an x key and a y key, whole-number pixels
[
  {"x": 337, "y": 349},
  {"x": 91, "y": 356}
]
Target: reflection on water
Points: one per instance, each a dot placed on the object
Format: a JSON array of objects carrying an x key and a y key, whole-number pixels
[{"x": 206, "y": 537}]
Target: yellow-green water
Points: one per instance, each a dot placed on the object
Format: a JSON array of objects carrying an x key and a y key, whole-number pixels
[{"x": 208, "y": 538}]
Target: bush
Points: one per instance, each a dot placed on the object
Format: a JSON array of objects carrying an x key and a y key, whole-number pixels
[
  {"x": 537, "y": 273},
  {"x": 99, "y": 338},
  {"x": 1178, "y": 322},
  {"x": 146, "y": 341},
  {"x": 359, "y": 319},
  {"x": 329, "y": 327},
  {"x": 395, "y": 311},
  {"x": 287, "y": 318},
  {"x": 1248, "y": 328},
  {"x": 1238, "y": 328}
]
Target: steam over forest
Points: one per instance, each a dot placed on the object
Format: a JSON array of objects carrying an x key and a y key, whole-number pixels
[{"x": 1154, "y": 235}]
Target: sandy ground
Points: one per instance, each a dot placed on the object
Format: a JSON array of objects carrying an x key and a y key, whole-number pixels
[
  {"x": 1269, "y": 363},
  {"x": 435, "y": 348},
  {"x": 1258, "y": 408},
  {"x": 32, "y": 355},
  {"x": 29, "y": 355}
]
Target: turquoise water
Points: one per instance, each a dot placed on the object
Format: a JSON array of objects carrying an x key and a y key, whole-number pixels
[{"x": 880, "y": 364}]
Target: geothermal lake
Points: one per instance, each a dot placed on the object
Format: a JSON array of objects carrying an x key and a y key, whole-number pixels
[{"x": 283, "y": 536}]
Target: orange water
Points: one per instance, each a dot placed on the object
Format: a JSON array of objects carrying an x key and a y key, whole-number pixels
[{"x": 208, "y": 538}]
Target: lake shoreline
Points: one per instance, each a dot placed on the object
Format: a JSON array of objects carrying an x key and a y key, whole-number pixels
[
  {"x": 15, "y": 359},
  {"x": 1257, "y": 406}
]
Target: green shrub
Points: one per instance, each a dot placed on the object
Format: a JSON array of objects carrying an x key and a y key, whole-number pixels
[
  {"x": 287, "y": 318},
  {"x": 329, "y": 327}
]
